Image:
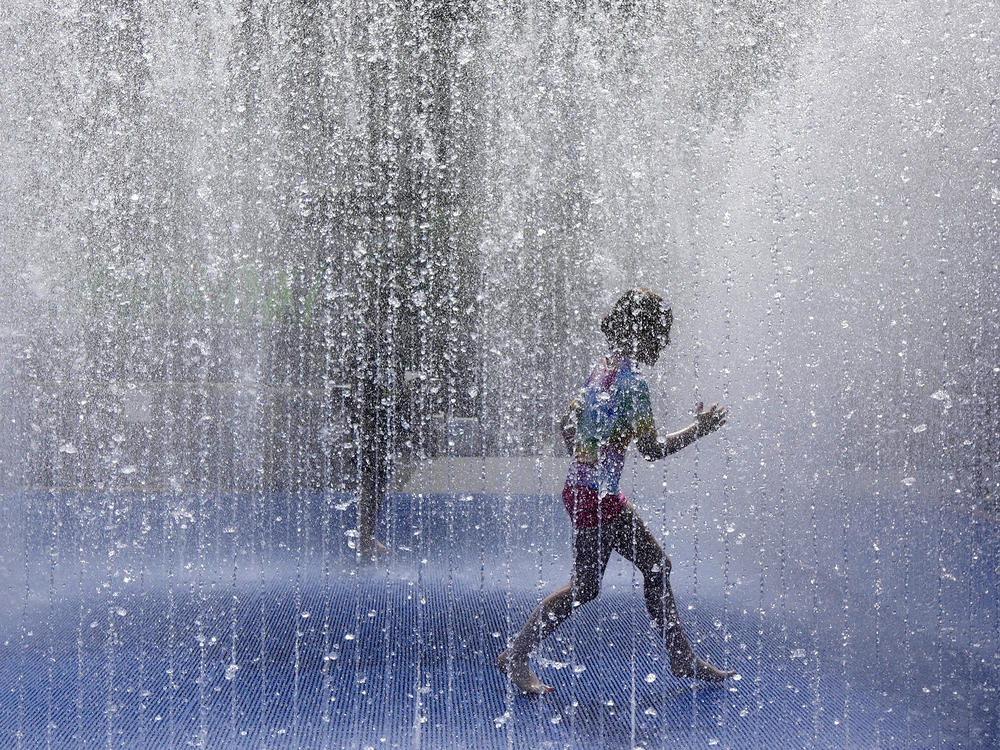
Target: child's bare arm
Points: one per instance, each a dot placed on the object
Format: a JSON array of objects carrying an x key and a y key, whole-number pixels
[{"x": 708, "y": 420}]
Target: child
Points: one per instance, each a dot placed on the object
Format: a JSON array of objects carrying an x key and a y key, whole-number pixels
[{"x": 613, "y": 409}]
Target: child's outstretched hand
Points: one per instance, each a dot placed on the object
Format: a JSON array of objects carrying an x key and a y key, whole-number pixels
[{"x": 711, "y": 419}]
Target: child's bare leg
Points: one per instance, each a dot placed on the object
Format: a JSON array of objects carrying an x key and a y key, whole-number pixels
[
  {"x": 553, "y": 609},
  {"x": 634, "y": 542},
  {"x": 591, "y": 557}
]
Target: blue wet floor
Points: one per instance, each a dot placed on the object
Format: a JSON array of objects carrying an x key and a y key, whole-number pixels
[{"x": 292, "y": 655}]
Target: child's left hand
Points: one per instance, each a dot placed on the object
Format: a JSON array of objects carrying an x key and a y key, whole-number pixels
[{"x": 711, "y": 419}]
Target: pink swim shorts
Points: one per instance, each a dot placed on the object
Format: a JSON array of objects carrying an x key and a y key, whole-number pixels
[{"x": 587, "y": 509}]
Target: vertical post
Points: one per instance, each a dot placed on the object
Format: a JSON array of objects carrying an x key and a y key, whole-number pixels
[{"x": 373, "y": 422}]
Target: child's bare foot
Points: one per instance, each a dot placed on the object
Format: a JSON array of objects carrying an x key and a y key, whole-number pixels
[
  {"x": 522, "y": 676},
  {"x": 699, "y": 668}
]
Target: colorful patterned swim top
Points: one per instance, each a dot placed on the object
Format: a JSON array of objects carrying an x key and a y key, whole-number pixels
[{"x": 613, "y": 408}]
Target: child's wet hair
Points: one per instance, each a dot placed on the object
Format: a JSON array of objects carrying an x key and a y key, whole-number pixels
[{"x": 637, "y": 313}]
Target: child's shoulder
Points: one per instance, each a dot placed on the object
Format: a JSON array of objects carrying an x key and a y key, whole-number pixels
[
  {"x": 629, "y": 382},
  {"x": 628, "y": 372}
]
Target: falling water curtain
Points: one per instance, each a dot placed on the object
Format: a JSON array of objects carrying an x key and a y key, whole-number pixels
[{"x": 259, "y": 254}]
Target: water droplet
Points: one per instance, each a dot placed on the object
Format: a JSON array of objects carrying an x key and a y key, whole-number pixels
[
  {"x": 552, "y": 664},
  {"x": 465, "y": 55}
]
